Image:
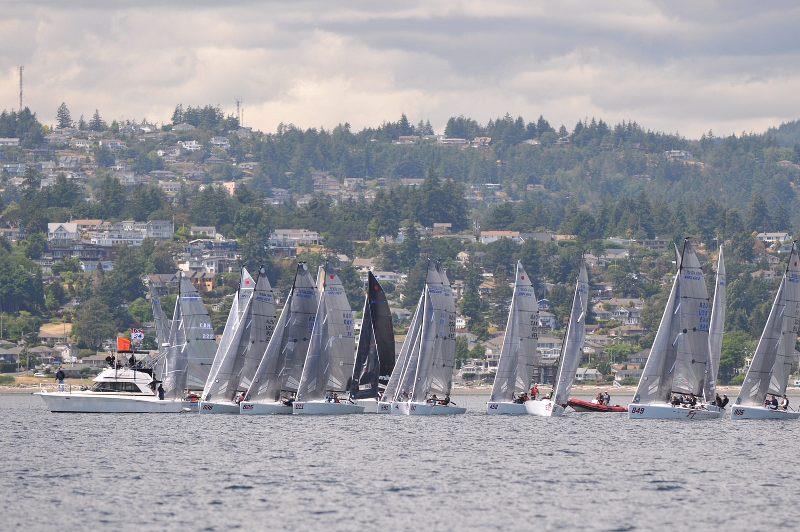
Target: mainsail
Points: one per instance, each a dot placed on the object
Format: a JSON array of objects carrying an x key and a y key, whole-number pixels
[
  {"x": 249, "y": 326},
  {"x": 192, "y": 343},
  {"x": 393, "y": 387},
  {"x": 375, "y": 354},
  {"x": 573, "y": 342},
  {"x": 281, "y": 365},
  {"x": 329, "y": 362},
  {"x": 771, "y": 365},
  {"x": 429, "y": 351},
  {"x": 679, "y": 355},
  {"x": 518, "y": 354},
  {"x": 715, "y": 330}
]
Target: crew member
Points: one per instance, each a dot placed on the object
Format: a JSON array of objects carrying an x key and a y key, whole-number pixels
[
  {"x": 784, "y": 402},
  {"x": 160, "y": 392}
]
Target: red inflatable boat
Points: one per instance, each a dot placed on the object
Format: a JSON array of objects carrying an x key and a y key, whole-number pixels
[{"x": 589, "y": 406}]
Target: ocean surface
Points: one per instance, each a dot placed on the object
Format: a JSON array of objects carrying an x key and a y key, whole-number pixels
[{"x": 371, "y": 472}]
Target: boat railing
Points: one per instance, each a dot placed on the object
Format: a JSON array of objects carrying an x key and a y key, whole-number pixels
[{"x": 59, "y": 387}]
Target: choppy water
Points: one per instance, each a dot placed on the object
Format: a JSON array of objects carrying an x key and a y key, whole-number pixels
[{"x": 584, "y": 471}]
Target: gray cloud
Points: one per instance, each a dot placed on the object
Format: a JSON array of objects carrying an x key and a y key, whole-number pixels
[{"x": 677, "y": 66}]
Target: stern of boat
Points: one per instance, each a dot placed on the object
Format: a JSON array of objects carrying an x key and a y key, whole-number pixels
[{"x": 497, "y": 408}]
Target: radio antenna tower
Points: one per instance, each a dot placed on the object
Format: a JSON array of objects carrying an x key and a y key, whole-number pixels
[
  {"x": 21, "y": 68},
  {"x": 239, "y": 111}
]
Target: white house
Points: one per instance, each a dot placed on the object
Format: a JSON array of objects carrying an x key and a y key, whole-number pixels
[
  {"x": 62, "y": 231},
  {"x": 772, "y": 238},
  {"x": 487, "y": 237}
]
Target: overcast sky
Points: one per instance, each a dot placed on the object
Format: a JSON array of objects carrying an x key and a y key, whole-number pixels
[{"x": 674, "y": 66}]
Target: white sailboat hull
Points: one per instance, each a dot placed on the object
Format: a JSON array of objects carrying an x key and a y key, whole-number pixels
[
  {"x": 112, "y": 404},
  {"x": 325, "y": 408},
  {"x": 410, "y": 408},
  {"x": 210, "y": 407},
  {"x": 760, "y": 412},
  {"x": 497, "y": 408},
  {"x": 384, "y": 407},
  {"x": 544, "y": 408},
  {"x": 371, "y": 406},
  {"x": 263, "y": 409},
  {"x": 668, "y": 411}
]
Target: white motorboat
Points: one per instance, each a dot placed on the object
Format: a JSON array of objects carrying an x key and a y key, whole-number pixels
[
  {"x": 668, "y": 411},
  {"x": 325, "y": 408},
  {"x": 771, "y": 366},
  {"x": 425, "y": 365},
  {"x": 571, "y": 352},
  {"x": 518, "y": 354},
  {"x": 121, "y": 390},
  {"x": 278, "y": 372},
  {"x": 416, "y": 408},
  {"x": 684, "y": 353}
]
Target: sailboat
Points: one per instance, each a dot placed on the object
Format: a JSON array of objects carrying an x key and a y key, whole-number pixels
[
  {"x": 375, "y": 354},
  {"x": 423, "y": 376},
  {"x": 277, "y": 375},
  {"x": 247, "y": 331},
  {"x": 571, "y": 351},
  {"x": 769, "y": 370},
  {"x": 190, "y": 351},
  {"x": 518, "y": 354},
  {"x": 679, "y": 358},
  {"x": 329, "y": 361}
]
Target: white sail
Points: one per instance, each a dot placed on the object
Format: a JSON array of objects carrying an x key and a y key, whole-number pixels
[
  {"x": 262, "y": 327},
  {"x": 281, "y": 365},
  {"x": 226, "y": 352},
  {"x": 518, "y": 354},
  {"x": 393, "y": 387},
  {"x": 162, "y": 326},
  {"x": 691, "y": 355},
  {"x": 249, "y": 326},
  {"x": 715, "y": 330},
  {"x": 679, "y": 355},
  {"x": 192, "y": 342},
  {"x": 573, "y": 342},
  {"x": 771, "y": 365},
  {"x": 329, "y": 362}
]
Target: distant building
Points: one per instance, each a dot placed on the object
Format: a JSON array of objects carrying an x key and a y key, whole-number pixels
[
  {"x": 774, "y": 238},
  {"x": 62, "y": 232},
  {"x": 487, "y": 237}
]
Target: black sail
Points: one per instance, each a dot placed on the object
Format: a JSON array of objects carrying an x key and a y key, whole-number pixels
[{"x": 375, "y": 355}]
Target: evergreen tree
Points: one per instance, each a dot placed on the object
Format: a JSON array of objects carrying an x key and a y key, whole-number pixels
[
  {"x": 63, "y": 117},
  {"x": 81, "y": 124},
  {"x": 97, "y": 123}
]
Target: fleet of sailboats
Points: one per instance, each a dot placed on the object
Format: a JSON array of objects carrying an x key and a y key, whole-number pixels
[
  {"x": 277, "y": 377},
  {"x": 248, "y": 329},
  {"x": 329, "y": 362},
  {"x": 423, "y": 376},
  {"x": 308, "y": 362}
]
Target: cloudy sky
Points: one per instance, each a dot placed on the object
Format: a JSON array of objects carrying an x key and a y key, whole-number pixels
[{"x": 675, "y": 66}]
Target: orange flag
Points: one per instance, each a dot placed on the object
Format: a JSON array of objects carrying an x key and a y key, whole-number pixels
[{"x": 123, "y": 345}]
